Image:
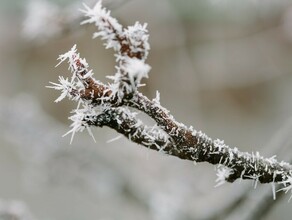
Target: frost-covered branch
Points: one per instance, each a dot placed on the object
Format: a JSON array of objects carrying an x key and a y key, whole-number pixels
[
  {"x": 125, "y": 122},
  {"x": 108, "y": 105},
  {"x": 131, "y": 47}
]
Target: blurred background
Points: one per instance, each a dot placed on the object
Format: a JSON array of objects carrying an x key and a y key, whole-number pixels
[{"x": 222, "y": 66}]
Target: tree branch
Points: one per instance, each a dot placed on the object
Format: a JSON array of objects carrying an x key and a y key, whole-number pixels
[
  {"x": 107, "y": 105},
  {"x": 196, "y": 146}
]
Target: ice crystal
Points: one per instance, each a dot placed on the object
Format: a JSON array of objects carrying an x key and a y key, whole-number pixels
[
  {"x": 273, "y": 190},
  {"x": 114, "y": 139},
  {"x": 85, "y": 111},
  {"x": 77, "y": 66},
  {"x": 157, "y": 98},
  {"x": 287, "y": 186},
  {"x": 131, "y": 47},
  {"x": 70, "y": 55},
  {"x": 137, "y": 70},
  {"x": 80, "y": 119},
  {"x": 64, "y": 86},
  {"x": 108, "y": 27},
  {"x": 222, "y": 174},
  {"x": 137, "y": 36}
]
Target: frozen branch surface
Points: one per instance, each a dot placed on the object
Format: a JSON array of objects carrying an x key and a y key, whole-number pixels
[{"x": 108, "y": 105}]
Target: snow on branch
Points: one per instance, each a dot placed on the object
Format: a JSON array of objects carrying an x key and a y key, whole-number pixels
[{"x": 108, "y": 105}]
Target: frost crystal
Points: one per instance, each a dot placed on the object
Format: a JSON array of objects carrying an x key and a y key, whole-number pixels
[
  {"x": 287, "y": 186},
  {"x": 72, "y": 88},
  {"x": 79, "y": 123},
  {"x": 131, "y": 47},
  {"x": 222, "y": 174},
  {"x": 77, "y": 66},
  {"x": 157, "y": 98},
  {"x": 108, "y": 27},
  {"x": 70, "y": 56},
  {"x": 64, "y": 86},
  {"x": 136, "y": 70},
  {"x": 138, "y": 38}
]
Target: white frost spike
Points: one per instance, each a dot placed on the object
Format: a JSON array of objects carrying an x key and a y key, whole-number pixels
[
  {"x": 76, "y": 126},
  {"x": 288, "y": 186},
  {"x": 256, "y": 180},
  {"x": 88, "y": 74},
  {"x": 64, "y": 86},
  {"x": 79, "y": 124},
  {"x": 273, "y": 190},
  {"x": 222, "y": 174},
  {"x": 94, "y": 13},
  {"x": 157, "y": 98},
  {"x": 69, "y": 55},
  {"x": 90, "y": 133},
  {"x": 136, "y": 70},
  {"x": 137, "y": 35},
  {"x": 114, "y": 139},
  {"x": 108, "y": 27}
]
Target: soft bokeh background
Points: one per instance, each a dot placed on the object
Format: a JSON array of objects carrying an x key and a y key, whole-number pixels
[{"x": 223, "y": 66}]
